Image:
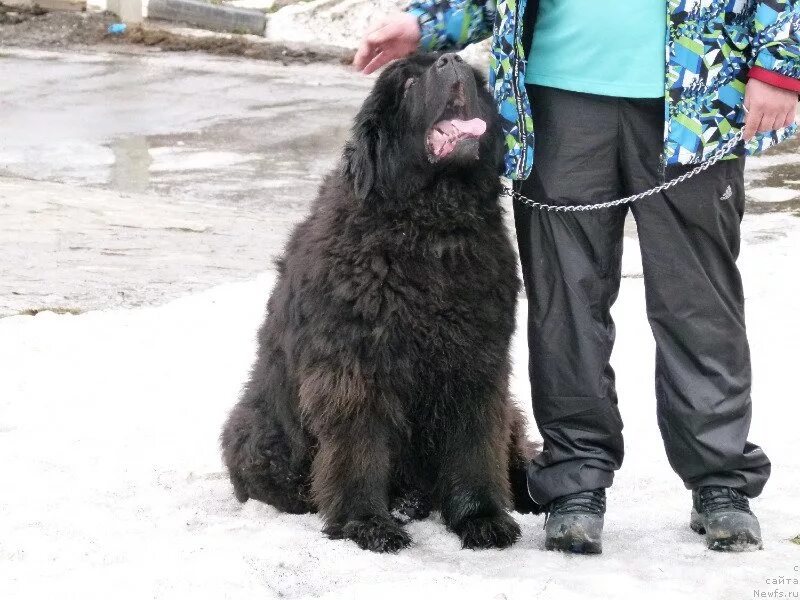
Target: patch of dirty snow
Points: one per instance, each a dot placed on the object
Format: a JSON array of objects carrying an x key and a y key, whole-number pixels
[
  {"x": 183, "y": 159},
  {"x": 772, "y": 194}
]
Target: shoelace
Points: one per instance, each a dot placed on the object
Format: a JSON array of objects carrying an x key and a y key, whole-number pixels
[
  {"x": 714, "y": 498},
  {"x": 593, "y": 501}
]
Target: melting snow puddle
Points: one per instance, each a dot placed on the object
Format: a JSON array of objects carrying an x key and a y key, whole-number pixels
[
  {"x": 183, "y": 159},
  {"x": 772, "y": 194},
  {"x": 760, "y": 163}
]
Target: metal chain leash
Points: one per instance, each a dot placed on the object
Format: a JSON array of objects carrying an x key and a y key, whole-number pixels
[{"x": 713, "y": 159}]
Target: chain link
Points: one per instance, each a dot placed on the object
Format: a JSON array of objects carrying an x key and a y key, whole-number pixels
[{"x": 724, "y": 150}]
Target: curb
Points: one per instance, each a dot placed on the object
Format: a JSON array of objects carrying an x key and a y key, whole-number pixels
[
  {"x": 168, "y": 36},
  {"x": 210, "y": 16}
]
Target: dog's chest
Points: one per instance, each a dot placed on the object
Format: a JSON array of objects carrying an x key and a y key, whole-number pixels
[{"x": 437, "y": 306}]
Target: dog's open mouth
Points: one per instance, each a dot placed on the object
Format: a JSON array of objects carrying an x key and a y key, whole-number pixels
[{"x": 453, "y": 127}]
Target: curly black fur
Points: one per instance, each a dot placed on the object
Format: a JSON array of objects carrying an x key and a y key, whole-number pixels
[{"x": 380, "y": 389}]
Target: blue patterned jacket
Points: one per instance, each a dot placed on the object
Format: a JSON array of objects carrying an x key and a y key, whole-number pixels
[{"x": 710, "y": 47}]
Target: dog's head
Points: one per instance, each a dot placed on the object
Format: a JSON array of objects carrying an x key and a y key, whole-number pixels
[{"x": 428, "y": 116}]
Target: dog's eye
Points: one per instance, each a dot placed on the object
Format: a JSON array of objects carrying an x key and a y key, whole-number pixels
[{"x": 409, "y": 82}]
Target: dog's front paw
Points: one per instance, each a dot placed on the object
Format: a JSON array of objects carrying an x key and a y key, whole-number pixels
[
  {"x": 374, "y": 533},
  {"x": 498, "y": 531}
]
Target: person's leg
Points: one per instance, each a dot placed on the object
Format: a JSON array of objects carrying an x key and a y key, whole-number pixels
[
  {"x": 571, "y": 269},
  {"x": 689, "y": 237}
]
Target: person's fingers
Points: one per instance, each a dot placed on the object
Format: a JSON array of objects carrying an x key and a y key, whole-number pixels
[
  {"x": 367, "y": 49},
  {"x": 780, "y": 118},
  {"x": 752, "y": 122},
  {"x": 363, "y": 56},
  {"x": 376, "y": 42},
  {"x": 790, "y": 117},
  {"x": 769, "y": 122},
  {"x": 385, "y": 35},
  {"x": 378, "y": 61}
]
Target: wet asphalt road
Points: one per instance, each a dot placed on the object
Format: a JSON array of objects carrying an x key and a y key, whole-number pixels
[
  {"x": 226, "y": 130},
  {"x": 180, "y": 171}
]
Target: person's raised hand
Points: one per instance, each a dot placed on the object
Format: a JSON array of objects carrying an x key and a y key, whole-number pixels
[
  {"x": 768, "y": 107},
  {"x": 387, "y": 40}
]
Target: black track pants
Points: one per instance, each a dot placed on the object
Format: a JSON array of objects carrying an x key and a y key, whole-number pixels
[{"x": 591, "y": 149}]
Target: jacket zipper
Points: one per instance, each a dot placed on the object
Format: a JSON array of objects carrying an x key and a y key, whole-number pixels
[
  {"x": 523, "y": 134},
  {"x": 667, "y": 99}
]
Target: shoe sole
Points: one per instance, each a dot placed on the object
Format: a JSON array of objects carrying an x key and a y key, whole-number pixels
[
  {"x": 574, "y": 547},
  {"x": 739, "y": 543}
]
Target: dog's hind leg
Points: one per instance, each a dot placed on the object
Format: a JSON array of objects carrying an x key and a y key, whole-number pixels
[
  {"x": 411, "y": 495},
  {"x": 410, "y": 505},
  {"x": 520, "y": 453},
  {"x": 262, "y": 463}
]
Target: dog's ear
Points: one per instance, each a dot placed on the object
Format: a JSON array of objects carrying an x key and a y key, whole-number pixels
[
  {"x": 360, "y": 153},
  {"x": 359, "y": 164}
]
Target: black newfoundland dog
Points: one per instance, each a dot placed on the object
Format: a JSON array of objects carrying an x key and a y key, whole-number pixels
[{"x": 380, "y": 389}]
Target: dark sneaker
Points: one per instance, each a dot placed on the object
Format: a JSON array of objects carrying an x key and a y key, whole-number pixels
[
  {"x": 574, "y": 522},
  {"x": 723, "y": 515}
]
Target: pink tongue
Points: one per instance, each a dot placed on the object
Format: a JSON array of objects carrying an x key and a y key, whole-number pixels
[
  {"x": 444, "y": 136},
  {"x": 474, "y": 127}
]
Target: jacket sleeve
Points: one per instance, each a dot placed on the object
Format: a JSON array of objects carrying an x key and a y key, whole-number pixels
[
  {"x": 776, "y": 42},
  {"x": 453, "y": 24}
]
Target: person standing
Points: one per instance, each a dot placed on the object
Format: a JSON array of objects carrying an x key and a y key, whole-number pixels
[{"x": 613, "y": 118}]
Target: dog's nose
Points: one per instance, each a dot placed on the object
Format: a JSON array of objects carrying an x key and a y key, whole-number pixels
[{"x": 447, "y": 59}]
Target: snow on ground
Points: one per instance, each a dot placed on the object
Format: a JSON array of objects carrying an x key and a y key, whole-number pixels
[
  {"x": 113, "y": 487},
  {"x": 772, "y": 194},
  {"x": 334, "y": 22}
]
